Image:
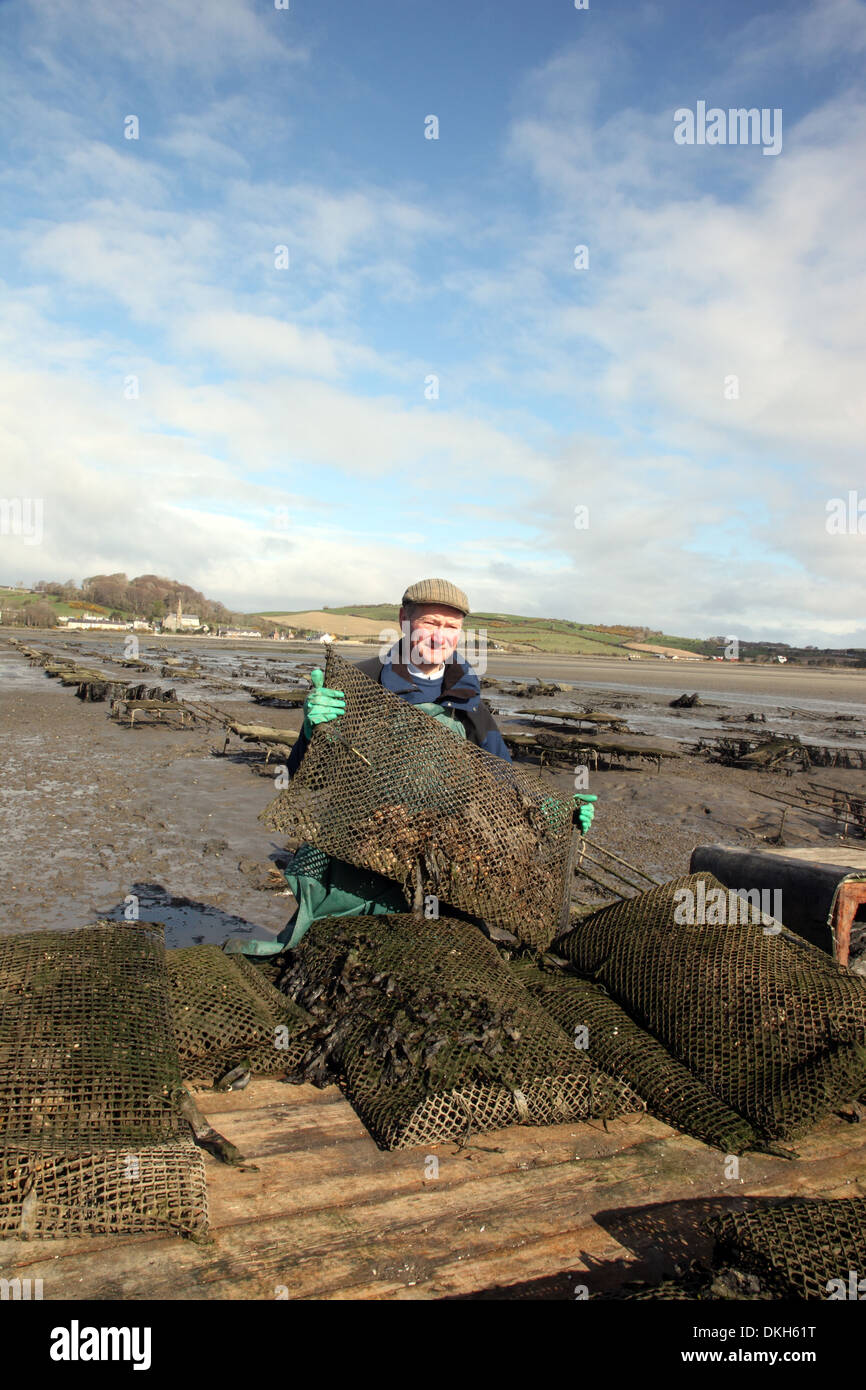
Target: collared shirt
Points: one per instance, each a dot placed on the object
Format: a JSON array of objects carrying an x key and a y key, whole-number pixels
[{"x": 429, "y": 676}]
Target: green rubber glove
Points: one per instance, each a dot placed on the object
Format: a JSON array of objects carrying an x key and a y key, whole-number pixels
[
  {"x": 322, "y": 704},
  {"x": 585, "y": 812}
]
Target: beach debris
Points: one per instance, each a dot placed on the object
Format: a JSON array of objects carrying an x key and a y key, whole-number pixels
[
  {"x": 780, "y": 751},
  {"x": 206, "y": 1136},
  {"x": 555, "y": 718},
  {"x": 273, "y": 740},
  {"x": 136, "y": 712},
  {"x": 550, "y": 746},
  {"x": 530, "y": 690},
  {"x": 608, "y": 865},
  {"x": 843, "y": 807},
  {"x": 685, "y": 701},
  {"x": 265, "y": 877},
  {"x": 277, "y": 696}
]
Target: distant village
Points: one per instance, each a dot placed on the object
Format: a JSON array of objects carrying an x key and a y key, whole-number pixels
[
  {"x": 177, "y": 621},
  {"x": 190, "y": 623}
]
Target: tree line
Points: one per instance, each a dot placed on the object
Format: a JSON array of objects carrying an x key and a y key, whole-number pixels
[{"x": 148, "y": 596}]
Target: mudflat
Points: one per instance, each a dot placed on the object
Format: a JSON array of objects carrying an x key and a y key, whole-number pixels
[{"x": 99, "y": 819}]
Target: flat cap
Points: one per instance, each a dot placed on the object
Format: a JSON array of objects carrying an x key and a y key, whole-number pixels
[{"x": 437, "y": 591}]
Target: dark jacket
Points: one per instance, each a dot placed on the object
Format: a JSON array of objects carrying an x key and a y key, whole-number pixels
[{"x": 460, "y": 695}]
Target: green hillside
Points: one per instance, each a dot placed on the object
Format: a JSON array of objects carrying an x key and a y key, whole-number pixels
[
  {"x": 21, "y": 599},
  {"x": 542, "y": 634}
]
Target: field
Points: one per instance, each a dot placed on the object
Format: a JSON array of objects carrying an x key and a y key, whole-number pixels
[
  {"x": 20, "y": 598},
  {"x": 329, "y": 620},
  {"x": 520, "y": 633}
]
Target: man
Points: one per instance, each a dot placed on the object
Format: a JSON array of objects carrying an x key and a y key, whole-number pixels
[
  {"x": 434, "y": 679},
  {"x": 429, "y": 674}
]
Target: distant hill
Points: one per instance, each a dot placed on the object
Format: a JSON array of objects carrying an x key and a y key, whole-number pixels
[{"x": 518, "y": 633}]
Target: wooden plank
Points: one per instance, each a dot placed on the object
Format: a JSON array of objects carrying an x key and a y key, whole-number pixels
[{"x": 328, "y": 1215}]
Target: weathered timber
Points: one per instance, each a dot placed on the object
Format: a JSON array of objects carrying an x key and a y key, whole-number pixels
[{"x": 325, "y": 1215}]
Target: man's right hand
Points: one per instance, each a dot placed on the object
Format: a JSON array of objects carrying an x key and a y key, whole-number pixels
[{"x": 322, "y": 704}]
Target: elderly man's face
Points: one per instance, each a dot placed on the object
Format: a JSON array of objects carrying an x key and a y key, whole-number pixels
[{"x": 434, "y": 631}]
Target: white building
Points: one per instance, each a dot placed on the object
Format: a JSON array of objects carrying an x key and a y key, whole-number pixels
[
  {"x": 94, "y": 624},
  {"x": 181, "y": 622}
]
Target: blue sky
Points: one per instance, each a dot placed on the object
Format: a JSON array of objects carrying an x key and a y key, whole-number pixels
[{"x": 284, "y": 449}]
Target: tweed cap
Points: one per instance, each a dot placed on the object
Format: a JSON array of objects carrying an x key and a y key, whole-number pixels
[{"x": 437, "y": 591}]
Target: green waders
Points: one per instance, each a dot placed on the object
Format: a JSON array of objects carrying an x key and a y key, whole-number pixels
[{"x": 327, "y": 887}]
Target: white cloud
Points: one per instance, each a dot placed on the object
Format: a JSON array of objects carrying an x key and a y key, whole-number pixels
[
  {"x": 259, "y": 342},
  {"x": 558, "y": 387},
  {"x": 163, "y": 36}
]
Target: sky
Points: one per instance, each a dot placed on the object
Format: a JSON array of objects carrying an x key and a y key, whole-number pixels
[{"x": 261, "y": 334}]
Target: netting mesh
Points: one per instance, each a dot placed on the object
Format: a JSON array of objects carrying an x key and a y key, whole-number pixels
[
  {"x": 91, "y": 1138},
  {"x": 226, "y": 1013},
  {"x": 111, "y": 1191},
  {"x": 617, "y": 1044},
  {"x": 310, "y": 861},
  {"x": 776, "y": 1031},
  {"x": 431, "y": 1036},
  {"x": 774, "y": 1249},
  {"x": 386, "y": 788},
  {"x": 800, "y": 1248}
]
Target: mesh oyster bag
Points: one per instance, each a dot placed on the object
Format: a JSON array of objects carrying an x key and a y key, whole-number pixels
[
  {"x": 776, "y": 1031},
  {"x": 796, "y": 1248},
  {"x": 91, "y": 1137},
  {"x": 804, "y": 1249},
  {"x": 387, "y": 788},
  {"x": 226, "y": 1013},
  {"x": 430, "y": 1036},
  {"x": 624, "y": 1050}
]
